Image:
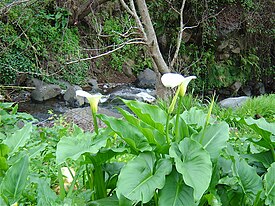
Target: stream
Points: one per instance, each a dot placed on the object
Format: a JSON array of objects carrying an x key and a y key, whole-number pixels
[{"x": 40, "y": 110}]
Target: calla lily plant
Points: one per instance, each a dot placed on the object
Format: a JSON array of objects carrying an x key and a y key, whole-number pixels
[
  {"x": 93, "y": 100},
  {"x": 173, "y": 80}
]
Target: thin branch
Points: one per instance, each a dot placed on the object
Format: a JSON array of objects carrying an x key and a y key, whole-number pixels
[
  {"x": 171, "y": 5},
  {"x": 6, "y": 8},
  {"x": 134, "y": 14},
  {"x": 106, "y": 53},
  {"x": 126, "y": 7},
  {"x": 182, "y": 28},
  {"x": 179, "y": 39},
  {"x": 111, "y": 46}
]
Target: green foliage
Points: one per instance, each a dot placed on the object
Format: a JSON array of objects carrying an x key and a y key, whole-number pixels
[
  {"x": 262, "y": 106},
  {"x": 206, "y": 166},
  {"x": 117, "y": 30},
  {"x": 37, "y": 40}
]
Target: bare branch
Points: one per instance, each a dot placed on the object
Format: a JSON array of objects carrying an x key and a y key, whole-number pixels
[
  {"x": 132, "y": 11},
  {"x": 179, "y": 39},
  {"x": 6, "y": 8},
  {"x": 126, "y": 7},
  {"x": 171, "y": 5},
  {"x": 120, "y": 46}
]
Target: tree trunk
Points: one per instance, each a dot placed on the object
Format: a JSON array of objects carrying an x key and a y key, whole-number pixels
[{"x": 151, "y": 38}]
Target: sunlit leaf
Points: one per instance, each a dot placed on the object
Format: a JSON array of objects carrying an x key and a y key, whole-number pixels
[
  {"x": 150, "y": 114},
  {"x": 270, "y": 185},
  {"x": 194, "y": 163},
  {"x": 19, "y": 138},
  {"x": 131, "y": 135},
  {"x": 140, "y": 177},
  {"x": 72, "y": 147},
  {"x": 213, "y": 138},
  {"x": 14, "y": 182},
  {"x": 175, "y": 192}
]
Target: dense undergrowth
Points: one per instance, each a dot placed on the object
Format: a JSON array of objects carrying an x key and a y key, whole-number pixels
[{"x": 226, "y": 158}]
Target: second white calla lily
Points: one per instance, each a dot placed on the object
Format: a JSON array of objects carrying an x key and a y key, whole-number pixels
[
  {"x": 172, "y": 79},
  {"x": 184, "y": 84},
  {"x": 92, "y": 98}
]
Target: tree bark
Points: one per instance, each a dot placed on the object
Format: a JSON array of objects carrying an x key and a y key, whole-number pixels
[{"x": 151, "y": 38}]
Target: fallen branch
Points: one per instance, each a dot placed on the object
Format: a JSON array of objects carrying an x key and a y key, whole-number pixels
[{"x": 15, "y": 87}]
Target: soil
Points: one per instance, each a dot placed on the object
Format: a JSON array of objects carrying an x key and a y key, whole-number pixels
[{"x": 114, "y": 76}]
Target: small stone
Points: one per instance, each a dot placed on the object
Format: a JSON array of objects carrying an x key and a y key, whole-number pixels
[
  {"x": 236, "y": 50},
  {"x": 224, "y": 56},
  {"x": 2, "y": 98},
  {"x": 93, "y": 83},
  {"x": 236, "y": 86},
  {"x": 127, "y": 67},
  {"x": 223, "y": 45}
]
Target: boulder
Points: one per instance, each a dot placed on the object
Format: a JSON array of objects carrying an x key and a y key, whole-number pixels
[
  {"x": 70, "y": 97},
  {"x": 44, "y": 91},
  {"x": 93, "y": 83},
  {"x": 146, "y": 79},
  {"x": 233, "y": 102}
]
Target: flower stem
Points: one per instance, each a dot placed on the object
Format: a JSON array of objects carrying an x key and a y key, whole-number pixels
[
  {"x": 95, "y": 122},
  {"x": 167, "y": 128},
  {"x": 177, "y": 137},
  {"x": 61, "y": 183}
]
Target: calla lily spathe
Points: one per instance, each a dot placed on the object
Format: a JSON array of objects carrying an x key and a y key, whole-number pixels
[
  {"x": 172, "y": 80},
  {"x": 92, "y": 98},
  {"x": 184, "y": 84}
]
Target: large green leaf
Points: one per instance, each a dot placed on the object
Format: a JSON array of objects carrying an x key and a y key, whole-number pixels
[
  {"x": 4, "y": 150},
  {"x": 195, "y": 117},
  {"x": 260, "y": 124},
  {"x": 266, "y": 158},
  {"x": 73, "y": 147},
  {"x": 108, "y": 201},
  {"x": 15, "y": 180},
  {"x": 213, "y": 138},
  {"x": 270, "y": 185},
  {"x": 154, "y": 136},
  {"x": 248, "y": 179},
  {"x": 139, "y": 178},
  {"x": 111, "y": 201},
  {"x": 194, "y": 163},
  {"x": 150, "y": 114},
  {"x": 128, "y": 132},
  {"x": 45, "y": 195},
  {"x": 19, "y": 138},
  {"x": 264, "y": 129},
  {"x": 175, "y": 192}
]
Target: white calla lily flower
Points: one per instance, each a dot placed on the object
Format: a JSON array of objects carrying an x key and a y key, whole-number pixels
[
  {"x": 172, "y": 79},
  {"x": 184, "y": 84},
  {"x": 92, "y": 98}
]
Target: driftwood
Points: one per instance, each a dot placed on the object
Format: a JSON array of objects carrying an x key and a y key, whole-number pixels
[{"x": 15, "y": 87}]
